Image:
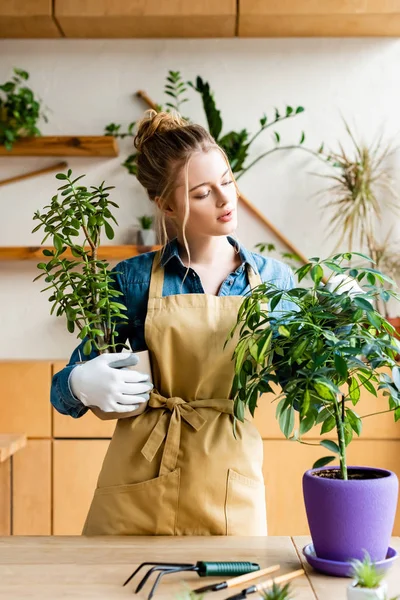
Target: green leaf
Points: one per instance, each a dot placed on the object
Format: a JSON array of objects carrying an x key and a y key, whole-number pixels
[
  {"x": 109, "y": 230},
  {"x": 61, "y": 176},
  {"x": 362, "y": 303},
  {"x": 321, "y": 462},
  {"x": 330, "y": 445},
  {"x": 307, "y": 423},
  {"x": 354, "y": 390},
  {"x": 286, "y": 421},
  {"x": 323, "y": 390},
  {"x": 328, "y": 425},
  {"x": 306, "y": 403},
  {"x": 354, "y": 420},
  {"x": 87, "y": 348},
  {"x": 341, "y": 366},
  {"x": 283, "y": 331},
  {"x": 317, "y": 274},
  {"x": 367, "y": 384}
]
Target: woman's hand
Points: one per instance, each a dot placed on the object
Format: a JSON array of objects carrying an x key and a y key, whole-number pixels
[{"x": 99, "y": 382}]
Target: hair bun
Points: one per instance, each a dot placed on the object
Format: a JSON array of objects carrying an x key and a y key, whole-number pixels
[{"x": 154, "y": 123}]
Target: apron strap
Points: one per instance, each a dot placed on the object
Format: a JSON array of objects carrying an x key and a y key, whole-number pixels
[
  {"x": 156, "y": 277},
  {"x": 169, "y": 425},
  {"x": 253, "y": 276}
]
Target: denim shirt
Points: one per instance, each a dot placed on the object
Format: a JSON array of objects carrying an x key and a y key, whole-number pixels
[{"x": 132, "y": 278}]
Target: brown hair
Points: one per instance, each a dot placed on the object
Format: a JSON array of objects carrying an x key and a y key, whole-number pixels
[{"x": 166, "y": 142}]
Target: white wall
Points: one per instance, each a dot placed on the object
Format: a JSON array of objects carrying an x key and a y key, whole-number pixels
[{"x": 90, "y": 83}]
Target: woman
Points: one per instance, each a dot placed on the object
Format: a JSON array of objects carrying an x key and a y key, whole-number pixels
[{"x": 176, "y": 468}]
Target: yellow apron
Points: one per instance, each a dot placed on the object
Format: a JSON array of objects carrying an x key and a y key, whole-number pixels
[{"x": 177, "y": 469}]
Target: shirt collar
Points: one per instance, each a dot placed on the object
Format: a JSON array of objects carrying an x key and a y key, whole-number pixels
[{"x": 172, "y": 251}]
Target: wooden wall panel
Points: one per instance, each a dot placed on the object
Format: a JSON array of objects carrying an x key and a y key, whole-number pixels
[
  {"x": 5, "y": 497},
  {"x": 32, "y": 489},
  {"x": 76, "y": 468},
  {"x": 88, "y": 426},
  {"x": 284, "y": 465},
  {"x": 25, "y": 394},
  {"x": 27, "y": 19},
  {"x": 146, "y": 18},
  {"x": 318, "y": 18}
]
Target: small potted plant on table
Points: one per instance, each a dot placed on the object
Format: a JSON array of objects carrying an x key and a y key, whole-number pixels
[
  {"x": 320, "y": 354},
  {"x": 368, "y": 583}
]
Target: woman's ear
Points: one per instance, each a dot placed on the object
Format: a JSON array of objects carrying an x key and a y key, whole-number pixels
[{"x": 164, "y": 207}]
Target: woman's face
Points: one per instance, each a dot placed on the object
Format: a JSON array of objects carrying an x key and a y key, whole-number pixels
[{"x": 212, "y": 196}]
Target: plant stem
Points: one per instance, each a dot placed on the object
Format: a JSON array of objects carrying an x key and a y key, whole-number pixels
[
  {"x": 340, "y": 433},
  {"x": 292, "y": 147}
]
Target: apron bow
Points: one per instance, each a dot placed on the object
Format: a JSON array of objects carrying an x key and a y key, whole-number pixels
[{"x": 169, "y": 425}]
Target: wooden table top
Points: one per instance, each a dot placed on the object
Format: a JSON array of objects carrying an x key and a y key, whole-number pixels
[
  {"x": 10, "y": 443},
  {"x": 81, "y": 567}
]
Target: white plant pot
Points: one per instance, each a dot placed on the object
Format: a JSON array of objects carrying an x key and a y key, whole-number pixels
[
  {"x": 147, "y": 237},
  {"x": 359, "y": 593}
]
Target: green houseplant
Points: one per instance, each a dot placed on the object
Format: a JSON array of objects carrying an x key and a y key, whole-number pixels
[
  {"x": 20, "y": 110},
  {"x": 320, "y": 354},
  {"x": 277, "y": 592},
  {"x": 362, "y": 189},
  {"x": 368, "y": 581},
  {"x": 81, "y": 284},
  {"x": 237, "y": 144}
]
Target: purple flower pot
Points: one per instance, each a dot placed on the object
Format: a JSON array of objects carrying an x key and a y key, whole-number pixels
[{"x": 348, "y": 517}]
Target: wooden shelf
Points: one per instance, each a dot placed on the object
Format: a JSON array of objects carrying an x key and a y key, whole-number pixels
[
  {"x": 319, "y": 18},
  {"x": 104, "y": 252},
  {"x": 146, "y": 18},
  {"x": 97, "y": 145},
  {"x": 33, "y": 19}
]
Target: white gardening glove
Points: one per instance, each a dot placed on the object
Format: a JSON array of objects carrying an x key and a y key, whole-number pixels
[
  {"x": 98, "y": 382},
  {"x": 341, "y": 283}
]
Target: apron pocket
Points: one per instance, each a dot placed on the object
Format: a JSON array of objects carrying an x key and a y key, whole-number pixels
[
  {"x": 245, "y": 510},
  {"x": 145, "y": 508}
]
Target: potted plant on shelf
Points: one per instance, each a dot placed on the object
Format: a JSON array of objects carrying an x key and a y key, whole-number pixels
[
  {"x": 320, "y": 354},
  {"x": 20, "y": 110},
  {"x": 368, "y": 583},
  {"x": 146, "y": 234}
]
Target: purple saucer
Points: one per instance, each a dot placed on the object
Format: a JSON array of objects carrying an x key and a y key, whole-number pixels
[{"x": 342, "y": 569}]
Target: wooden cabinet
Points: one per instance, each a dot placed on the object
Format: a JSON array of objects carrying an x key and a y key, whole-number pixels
[
  {"x": 32, "y": 489},
  {"x": 25, "y": 393},
  {"x": 318, "y": 18},
  {"x": 146, "y": 18},
  {"x": 55, "y": 475},
  {"x": 27, "y": 19},
  {"x": 76, "y": 468},
  {"x": 198, "y": 18}
]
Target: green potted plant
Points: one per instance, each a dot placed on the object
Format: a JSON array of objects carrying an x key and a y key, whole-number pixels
[
  {"x": 277, "y": 592},
  {"x": 362, "y": 189},
  {"x": 20, "y": 110},
  {"x": 237, "y": 144},
  {"x": 146, "y": 233},
  {"x": 320, "y": 354},
  {"x": 368, "y": 581},
  {"x": 80, "y": 283}
]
